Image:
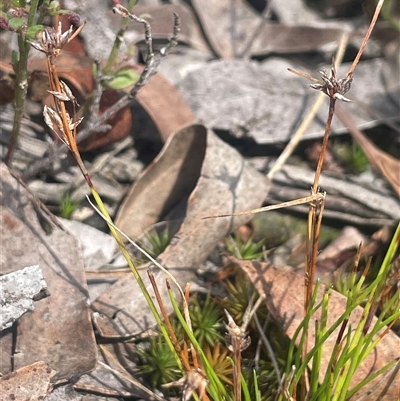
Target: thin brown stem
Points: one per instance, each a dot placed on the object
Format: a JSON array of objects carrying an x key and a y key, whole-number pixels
[{"x": 366, "y": 38}]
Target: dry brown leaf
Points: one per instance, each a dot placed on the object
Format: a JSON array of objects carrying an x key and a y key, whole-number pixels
[
  {"x": 29, "y": 383},
  {"x": 165, "y": 105},
  {"x": 284, "y": 290},
  {"x": 170, "y": 178},
  {"x": 59, "y": 331},
  {"x": 121, "y": 123},
  {"x": 229, "y": 28},
  {"x": 388, "y": 166}
]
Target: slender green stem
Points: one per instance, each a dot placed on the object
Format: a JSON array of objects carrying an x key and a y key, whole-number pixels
[
  {"x": 108, "y": 70},
  {"x": 21, "y": 89},
  {"x": 21, "y": 84}
]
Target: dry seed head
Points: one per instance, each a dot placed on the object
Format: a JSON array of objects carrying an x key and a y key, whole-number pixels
[
  {"x": 53, "y": 120},
  {"x": 195, "y": 380},
  {"x": 237, "y": 335},
  {"x": 53, "y": 40},
  {"x": 334, "y": 87},
  {"x": 65, "y": 95}
]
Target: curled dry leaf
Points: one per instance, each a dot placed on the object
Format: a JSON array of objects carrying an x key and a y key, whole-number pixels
[
  {"x": 284, "y": 291},
  {"x": 165, "y": 105},
  {"x": 387, "y": 165},
  {"x": 121, "y": 123}
]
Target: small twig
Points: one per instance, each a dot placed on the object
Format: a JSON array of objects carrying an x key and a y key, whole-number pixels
[
  {"x": 366, "y": 38},
  {"x": 268, "y": 346},
  {"x": 257, "y": 31},
  {"x": 152, "y": 62},
  {"x": 317, "y": 197}
]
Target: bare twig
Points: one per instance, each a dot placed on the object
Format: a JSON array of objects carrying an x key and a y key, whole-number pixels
[{"x": 366, "y": 38}]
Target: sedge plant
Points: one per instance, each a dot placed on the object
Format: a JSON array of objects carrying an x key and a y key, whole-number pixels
[
  {"x": 353, "y": 343},
  {"x": 200, "y": 377},
  {"x": 357, "y": 345}
]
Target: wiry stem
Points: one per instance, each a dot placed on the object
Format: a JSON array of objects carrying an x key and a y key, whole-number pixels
[{"x": 21, "y": 82}]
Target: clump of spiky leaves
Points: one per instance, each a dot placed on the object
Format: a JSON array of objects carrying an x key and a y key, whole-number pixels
[
  {"x": 217, "y": 355},
  {"x": 247, "y": 250},
  {"x": 157, "y": 363},
  {"x": 207, "y": 321},
  {"x": 240, "y": 291},
  {"x": 155, "y": 242}
]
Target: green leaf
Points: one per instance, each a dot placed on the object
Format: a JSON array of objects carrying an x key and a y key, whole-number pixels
[
  {"x": 16, "y": 23},
  {"x": 124, "y": 78},
  {"x": 32, "y": 31}
]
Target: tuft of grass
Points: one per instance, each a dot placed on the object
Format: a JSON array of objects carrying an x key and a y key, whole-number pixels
[
  {"x": 68, "y": 206},
  {"x": 155, "y": 241},
  {"x": 247, "y": 250},
  {"x": 353, "y": 344},
  {"x": 206, "y": 321},
  {"x": 157, "y": 363},
  {"x": 352, "y": 156}
]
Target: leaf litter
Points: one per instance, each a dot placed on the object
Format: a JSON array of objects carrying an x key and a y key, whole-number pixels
[{"x": 196, "y": 174}]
